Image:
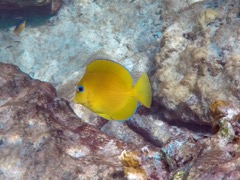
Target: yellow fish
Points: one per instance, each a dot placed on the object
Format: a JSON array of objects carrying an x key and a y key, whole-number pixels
[
  {"x": 107, "y": 89},
  {"x": 20, "y": 26}
]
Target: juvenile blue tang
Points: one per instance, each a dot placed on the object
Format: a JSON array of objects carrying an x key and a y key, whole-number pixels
[{"x": 107, "y": 89}]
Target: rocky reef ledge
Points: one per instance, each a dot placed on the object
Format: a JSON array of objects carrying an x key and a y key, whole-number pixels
[
  {"x": 42, "y": 138},
  {"x": 51, "y": 6}
]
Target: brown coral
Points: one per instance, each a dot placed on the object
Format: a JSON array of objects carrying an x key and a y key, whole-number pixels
[
  {"x": 218, "y": 108},
  {"x": 132, "y": 166},
  {"x": 225, "y": 111}
]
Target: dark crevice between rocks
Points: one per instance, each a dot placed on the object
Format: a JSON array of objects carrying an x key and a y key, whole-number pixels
[
  {"x": 118, "y": 174},
  {"x": 160, "y": 112},
  {"x": 204, "y": 129},
  {"x": 213, "y": 3},
  {"x": 34, "y": 16},
  {"x": 144, "y": 133}
]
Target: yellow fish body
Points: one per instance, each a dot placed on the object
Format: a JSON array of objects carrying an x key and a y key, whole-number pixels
[
  {"x": 20, "y": 26},
  {"x": 107, "y": 89}
]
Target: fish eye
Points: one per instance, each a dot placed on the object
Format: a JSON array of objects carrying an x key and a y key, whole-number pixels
[{"x": 80, "y": 88}]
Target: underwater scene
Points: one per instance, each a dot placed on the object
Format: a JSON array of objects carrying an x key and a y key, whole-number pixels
[{"x": 120, "y": 90}]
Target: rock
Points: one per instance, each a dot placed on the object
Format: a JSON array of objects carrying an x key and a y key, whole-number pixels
[
  {"x": 219, "y": 160},
  {"x": 13, "y": 4},
  {"x": 195, "y": 87},
  {"x": 55, "y": 6},
  {"x": 215, "y": 165},
  {"x": 216, "y": 157},
  {"x": 171, "y": 10},
  {"x": 45, "y": 6},
  {"x": 225, "y": 118},
  {"x": 179, "y": 146},
  {"x": 136, "y": 164},
  {"x": 121, "y": 131},
  {"x": 41, "y": 137},
  {"x": 198, "y": 62}
]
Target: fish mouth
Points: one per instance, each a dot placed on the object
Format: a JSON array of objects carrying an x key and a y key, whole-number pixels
[
  {"x": 82, "y": 102},
  {"x": 74, "y": 99}
]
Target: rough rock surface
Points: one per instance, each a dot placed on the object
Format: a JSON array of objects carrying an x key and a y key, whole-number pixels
[
  {"x": 121, "y": 131},
  {"x": 41, "y": 137},
  {"x": 11, "y": 4},
  {"x": 199, "y": 61},
  {"x": 196, "y": 80},
  {"x": 49, "y": 6}
]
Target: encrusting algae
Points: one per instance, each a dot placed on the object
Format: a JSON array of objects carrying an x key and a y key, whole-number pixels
[
  {"x": 144, "y": 163},
  {"x": 132, "y": 166},
  {"x": 217, "y": 108},
  {"x": 207, "y": 16},
  {"x": 179, "y": 175},
  {"x": 226, "y": 116}
]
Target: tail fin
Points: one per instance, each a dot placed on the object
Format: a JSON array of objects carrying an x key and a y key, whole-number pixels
[{"x": 143, "y": 90}]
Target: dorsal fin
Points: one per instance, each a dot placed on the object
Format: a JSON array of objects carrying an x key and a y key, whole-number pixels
[{"x": 111, "y": 67}]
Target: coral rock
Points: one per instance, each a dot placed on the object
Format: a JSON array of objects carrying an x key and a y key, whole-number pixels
[
  {"x": 41, "y": 137},
  {"x": 226, "y": 116},
  {"x": 207, "y": 16},
  {"x": 144, "y": 163},
  {"x": 132, "y": 168},
  {"x": 196, "y": 65},
  {"x": 40, "y": 132},
  {"x": 11, "y": 4},
  {"x": 46, "y": 6}
]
